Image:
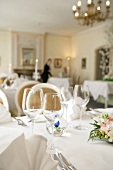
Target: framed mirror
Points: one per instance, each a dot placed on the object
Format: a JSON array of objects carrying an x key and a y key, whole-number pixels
[{"x": 28, "y": 56}]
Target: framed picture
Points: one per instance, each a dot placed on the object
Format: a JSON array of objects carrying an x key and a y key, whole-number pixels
[
  {"x": 57, "y": 63},
  {"x": 83, "y": 63},
  {"x": 28, "y": 56}
]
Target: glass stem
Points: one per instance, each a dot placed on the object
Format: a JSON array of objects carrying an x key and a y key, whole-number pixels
[
  {"x": 52, "y": 147},
  {"x": 66, "y": 113},
  {"x": 80, "y": 119}
]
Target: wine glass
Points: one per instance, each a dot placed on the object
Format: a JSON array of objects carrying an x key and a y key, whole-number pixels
[
  {"x": 81, "y": 96},
  {"x": 53, "y": 111},
  {"x": 67, "y": 98},
  {"x": 32, "y": 104}
]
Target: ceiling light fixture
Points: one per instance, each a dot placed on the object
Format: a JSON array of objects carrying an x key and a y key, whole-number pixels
[{"x": 93, "y": 13}]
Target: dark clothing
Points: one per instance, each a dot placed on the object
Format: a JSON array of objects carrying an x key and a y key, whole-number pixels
[{"x": 46, "y": 73}]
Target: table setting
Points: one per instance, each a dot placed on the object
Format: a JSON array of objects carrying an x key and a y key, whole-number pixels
[{"x": 74, "y": 149}]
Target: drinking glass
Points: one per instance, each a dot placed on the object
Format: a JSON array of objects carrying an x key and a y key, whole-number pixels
[
  {"x": 32, "y": 104},
  {"x": 81, "y": 96},
  {"x": 67, "y": 98},
  {"x": 53, "y": 111}
]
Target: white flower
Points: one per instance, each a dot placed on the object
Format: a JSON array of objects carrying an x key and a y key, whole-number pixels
[{"x": 105, "y": 129}]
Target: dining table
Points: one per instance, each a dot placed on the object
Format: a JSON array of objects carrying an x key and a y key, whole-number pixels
[
  {"x": 74, "y": 144},
  {"x": 99, "y": 88},
  {"x": 60, "y": 82}
]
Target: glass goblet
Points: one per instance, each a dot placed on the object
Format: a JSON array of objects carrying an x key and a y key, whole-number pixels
[
  {"x": 53, "y": 111},
  {"x": 81, "y": 96},
  {"x": 32, "y": 104},
  {"x": 67, "y": 98}
]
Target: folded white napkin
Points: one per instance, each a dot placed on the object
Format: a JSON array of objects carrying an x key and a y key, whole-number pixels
[
  {"x": 73, "y": 111},
  {"x": 76, "y": 112},
  {"x": 5, "y": 115},
  {"x": 27, "y": 154},
  {"x": 39, "y": 158},
  {"x": 15, "y": 156}
]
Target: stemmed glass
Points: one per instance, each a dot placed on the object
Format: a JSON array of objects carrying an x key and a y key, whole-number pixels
[
  {"x": 32, "y": 104},
  {"x": 81, "y": 96},
  {"x": 67, "y": 98},
  {"x": 53, "y": 111}
]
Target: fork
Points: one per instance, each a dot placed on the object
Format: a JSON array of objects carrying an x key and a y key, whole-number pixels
[
  {"x": 61, "y": 163},
  {"x": 20, "y": 121},
  {"x": 68, "y": 165}
]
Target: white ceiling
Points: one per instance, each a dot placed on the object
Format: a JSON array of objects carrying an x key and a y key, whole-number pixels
[{"x": 40, "y": 16}]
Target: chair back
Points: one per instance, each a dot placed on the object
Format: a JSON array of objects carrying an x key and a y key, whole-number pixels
[
  {"x": 47, "y": 88},
  {"x": 19, "y": 95},
  {"x": 2, "y": 80}
]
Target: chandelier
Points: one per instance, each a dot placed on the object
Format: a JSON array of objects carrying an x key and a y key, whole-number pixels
[{"x": 93, "y": 13}]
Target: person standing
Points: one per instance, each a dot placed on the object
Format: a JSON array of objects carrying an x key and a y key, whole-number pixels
[{"x": 47, "y": 71}]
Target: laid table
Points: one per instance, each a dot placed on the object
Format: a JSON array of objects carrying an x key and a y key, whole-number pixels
[
  {"x": 59, "y": 82},
  {"x": 100, "y": 88},
  {"x": 82, "y": 154}
]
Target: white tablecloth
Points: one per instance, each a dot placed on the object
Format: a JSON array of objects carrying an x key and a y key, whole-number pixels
[
  {"x": 82, "y": 154},
  {"x": 103, "y": 88},
  {"x": 59, "y": 82}
]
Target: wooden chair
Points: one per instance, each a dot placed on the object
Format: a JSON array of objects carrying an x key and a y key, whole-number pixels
[
  {"x": 19, "y": 95},
  {"x": 3, "y": 99},
  {"x": 2, "y": 80},
  {"x": 47, "y": 88}
]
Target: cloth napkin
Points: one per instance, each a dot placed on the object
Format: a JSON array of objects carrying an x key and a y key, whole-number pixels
[
  {"x": 73, "y": 111},
  {"x": 15, "y": 156},
  {"x": 5, "y": 115},
  {"x": 38, "y": 157},
  {"x": 27, "y": 154},
  {"x": 76, "y": 112}
]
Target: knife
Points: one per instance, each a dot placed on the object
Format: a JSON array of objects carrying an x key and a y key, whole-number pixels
[
  {"x": 61, "y": 163},
  {"x": 69, "y": 165}
]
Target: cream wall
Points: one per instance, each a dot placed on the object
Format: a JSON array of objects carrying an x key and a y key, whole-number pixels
[
  {"x": 5, "y": 51},
  {"x": 83, "y": 46},
  {"x": 57, "y": 46}
]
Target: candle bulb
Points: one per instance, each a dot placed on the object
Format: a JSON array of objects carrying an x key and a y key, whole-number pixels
[{"x": 36, "y": 68}]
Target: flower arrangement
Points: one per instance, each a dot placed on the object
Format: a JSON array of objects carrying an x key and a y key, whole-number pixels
[{"x": 103, "y": 128}]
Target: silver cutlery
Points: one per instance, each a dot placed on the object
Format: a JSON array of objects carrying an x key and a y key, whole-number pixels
[
  {"x": 95, "y": 113},
  {"x": 20, "y": 121},
  {"x": 95, "y": 110},
  {"x": 63, "y": 162},
  {"x": 67, "y": 163}
]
